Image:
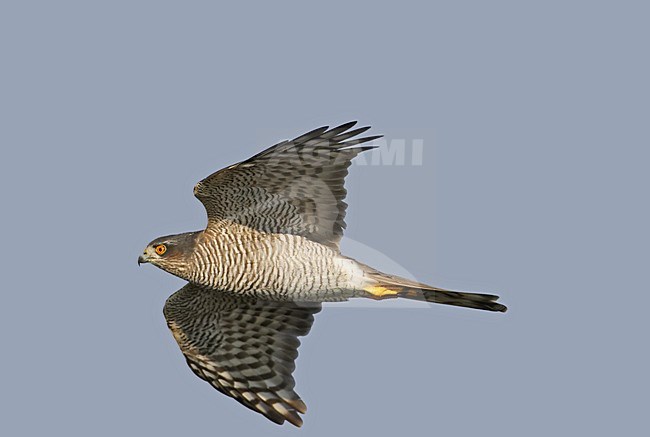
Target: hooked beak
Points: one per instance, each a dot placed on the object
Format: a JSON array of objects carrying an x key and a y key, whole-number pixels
[{"x": 142, "y": 260}]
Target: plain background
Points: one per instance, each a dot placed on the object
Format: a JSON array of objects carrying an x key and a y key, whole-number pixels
[{"x": 533, "y": 184}]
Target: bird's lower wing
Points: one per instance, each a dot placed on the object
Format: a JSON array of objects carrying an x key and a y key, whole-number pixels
[{"x": 243, "y": 347}]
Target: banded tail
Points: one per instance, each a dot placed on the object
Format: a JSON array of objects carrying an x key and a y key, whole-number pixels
[{"x": 388, "y": 286}]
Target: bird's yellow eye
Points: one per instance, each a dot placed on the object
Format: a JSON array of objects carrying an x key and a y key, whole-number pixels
[{"x": 161, "y": 249}]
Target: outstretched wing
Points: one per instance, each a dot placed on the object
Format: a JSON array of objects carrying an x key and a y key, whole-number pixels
[
  {"x": 295, "y": 187},
  {"x": 244, "y": 347}
]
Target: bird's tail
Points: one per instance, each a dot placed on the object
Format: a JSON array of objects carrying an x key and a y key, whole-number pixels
[{"x": 385, "y": 286}]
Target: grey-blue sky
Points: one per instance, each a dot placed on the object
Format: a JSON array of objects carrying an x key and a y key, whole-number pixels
[{"x": 533, "y": 184}]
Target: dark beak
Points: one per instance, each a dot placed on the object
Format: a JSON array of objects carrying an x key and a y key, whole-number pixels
[{"x": 142, "y": 260}]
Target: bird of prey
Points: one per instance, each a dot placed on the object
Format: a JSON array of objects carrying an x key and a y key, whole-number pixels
[{"x": 267, "y": 258}]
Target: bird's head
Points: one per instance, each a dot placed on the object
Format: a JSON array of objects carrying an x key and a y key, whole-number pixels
[{"x": 170, "y": 253}]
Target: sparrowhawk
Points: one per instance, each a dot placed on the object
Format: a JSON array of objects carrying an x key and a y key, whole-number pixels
[{"x": 267, "y": 258}]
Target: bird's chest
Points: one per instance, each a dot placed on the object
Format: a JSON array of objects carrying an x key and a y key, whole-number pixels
[{"x": 274, "y": 264}]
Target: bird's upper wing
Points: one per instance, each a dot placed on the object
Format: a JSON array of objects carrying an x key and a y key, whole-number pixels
[
  {"x": 244, "y": 347},
  {"x": 295, "y": 187}
]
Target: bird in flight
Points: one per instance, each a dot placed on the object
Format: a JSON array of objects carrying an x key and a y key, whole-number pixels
[{"x": 268, "y": 257}]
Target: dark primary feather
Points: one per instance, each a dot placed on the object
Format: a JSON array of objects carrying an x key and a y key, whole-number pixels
[
  {"x": 244, "y": 347},
  {"x": 294, "y": 187}
]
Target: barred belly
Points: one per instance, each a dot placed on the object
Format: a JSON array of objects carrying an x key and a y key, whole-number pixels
[{"x": 239, "y": 259}]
